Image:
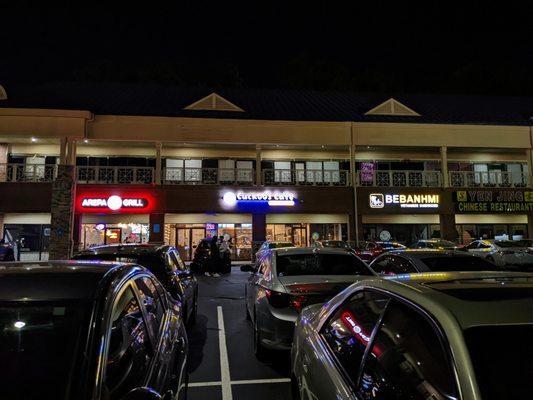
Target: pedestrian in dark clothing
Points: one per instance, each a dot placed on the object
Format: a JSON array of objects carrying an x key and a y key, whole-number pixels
[{"x": 212, "y": 265}]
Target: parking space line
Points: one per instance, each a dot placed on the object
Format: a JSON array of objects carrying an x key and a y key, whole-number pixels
[
  {"x": 224, "y": 362},
  {"x": 242, "y": 382},
  {"x": 257, "y": 381}
]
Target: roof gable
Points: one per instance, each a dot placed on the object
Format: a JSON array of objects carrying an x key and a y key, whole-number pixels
[
  {"x": 213, "y": 102},
  {"x": 392, "y": 107}
]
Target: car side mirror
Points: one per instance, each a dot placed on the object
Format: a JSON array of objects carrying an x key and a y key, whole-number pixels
[
  {"x": 142, "y": 393},
  {"x": 247, "y": 268}
]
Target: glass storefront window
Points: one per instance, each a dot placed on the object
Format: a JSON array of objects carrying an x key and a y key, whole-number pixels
[
  {"x": 31, "y": 241},
  {"x": 403, "y": 233},
  {"x": 469, "y": 232},
  {"x": 303, "y": 235},
  {"x": 102, "y": 234}
]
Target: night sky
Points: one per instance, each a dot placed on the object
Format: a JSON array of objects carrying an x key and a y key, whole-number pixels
[{"x": 385, "y": 46}]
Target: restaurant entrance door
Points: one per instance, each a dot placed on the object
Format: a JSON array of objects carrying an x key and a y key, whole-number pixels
[{"x": 187, "y": 239}]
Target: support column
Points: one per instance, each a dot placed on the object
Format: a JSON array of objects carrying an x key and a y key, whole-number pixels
[
  {"x": 63, "y": 151},
  {"x": 76, "y": 233},
  {"x": 157, "y": 229},
  {"x": 258, "y": 172},
  {"x": 1, "y": 226},
  {"x": 158, "y": 162},
  {"x": 447, "y": 227},
  {"x": 63, "y": 195},
  {"x": 529, "y": 157},
  {"x": 530, "y": 225},
  {"x": 444, "y": 166},
  {"x": 4, "y": 149},
  {"x": 258, "y": 232}
]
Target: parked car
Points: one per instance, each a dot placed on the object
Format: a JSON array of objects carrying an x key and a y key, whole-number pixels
[
  {"x": 269, "y": 245},
  {"x": 163, "y": 261},
  {"x": 288, "y": 279},
  {"x": 367, "y": 251},
  {"x": 504, "y": 253},
  {"x": 7, "y": 251},
  {"x": 426, "y": 338},
  {"x": 89, "y": 330},
  {"x": 411, "y": 261},
  {"x": 437, "y": 244}
]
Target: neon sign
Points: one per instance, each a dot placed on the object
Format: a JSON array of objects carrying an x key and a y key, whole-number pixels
[
  {"x": 380, "y": 200},
  {"x": 273, "y": 199},
  {"x": 114, "y": 202}
]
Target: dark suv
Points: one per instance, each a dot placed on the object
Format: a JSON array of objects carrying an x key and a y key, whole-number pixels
[{"x": 163, "y": 261}]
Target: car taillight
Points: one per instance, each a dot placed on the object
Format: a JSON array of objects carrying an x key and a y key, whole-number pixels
[{"x": 284, "y": 300}]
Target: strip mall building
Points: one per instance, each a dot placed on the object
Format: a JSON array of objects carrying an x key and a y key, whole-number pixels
[{"x": 84, "y": 165}]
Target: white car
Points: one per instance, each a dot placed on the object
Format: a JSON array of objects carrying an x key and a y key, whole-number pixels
[{"x": 504, "y": 253}]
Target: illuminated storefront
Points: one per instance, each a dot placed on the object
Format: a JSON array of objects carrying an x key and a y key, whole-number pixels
[
  {"x": 113, "y": 217},
  {"x": 492, "y": 214},
  {"x": 402, "y": 215},
  {"x": 186, "y": 231}
]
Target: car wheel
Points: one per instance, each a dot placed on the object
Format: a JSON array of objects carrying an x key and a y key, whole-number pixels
[{"x": 259, "y": 350}]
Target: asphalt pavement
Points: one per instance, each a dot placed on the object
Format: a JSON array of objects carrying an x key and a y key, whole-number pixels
[{"x": 222, "y": 364}]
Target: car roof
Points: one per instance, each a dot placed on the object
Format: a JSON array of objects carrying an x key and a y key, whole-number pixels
[
  {"x": 473, "y": 298},
  {"x": 417, "y": 253},
  {"x": 309, "y": 250},
  {"x": 133, "y": 249},
  {"x": 57, "y": 280}
]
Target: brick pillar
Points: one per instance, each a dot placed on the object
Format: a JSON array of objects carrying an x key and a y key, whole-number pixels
[
  {"x": 76, "y": 233},
  {"x": 447, "y": 227},
  {"x": 3, "y": 162},
  {"x": 63, "y": 194},
  {"x": 1, "y": 226},
  {"x": 157, "y": 229},
  {"x": 258, "y": 232}
]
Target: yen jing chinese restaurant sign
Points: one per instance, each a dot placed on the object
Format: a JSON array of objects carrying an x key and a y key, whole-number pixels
[{"x": 493, "y": 201}]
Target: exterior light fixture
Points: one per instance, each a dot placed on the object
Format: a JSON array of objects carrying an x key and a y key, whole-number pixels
[
  {"x": 85, "y": 140},
  {"x": 34, "y": 139},
  {"x": 19, "y": 324}
]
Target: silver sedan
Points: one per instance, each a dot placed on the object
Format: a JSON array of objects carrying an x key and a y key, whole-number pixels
[
  {"x": 436, "y": 335},
  {"x": 286, "y": 280},
  {"x": 504, "y": 253}
]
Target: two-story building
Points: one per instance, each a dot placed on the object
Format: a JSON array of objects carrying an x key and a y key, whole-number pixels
[{"x": 83, "y": 165}]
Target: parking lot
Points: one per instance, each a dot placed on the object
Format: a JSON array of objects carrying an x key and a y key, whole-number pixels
[{"x": 222, "y": 364}]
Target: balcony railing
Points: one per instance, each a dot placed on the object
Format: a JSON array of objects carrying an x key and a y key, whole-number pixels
[
  {"x": 115, "y": 175},
  {"x": 391, "y": 178},
  {"x": 472, "y": 179},
  {"x": 297, "y": 177},
  {"x": 28, "y": 172},
  {"x": 208, "y": 176}
]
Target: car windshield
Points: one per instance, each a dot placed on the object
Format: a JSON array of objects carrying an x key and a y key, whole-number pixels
[
  {"x": 501, "y": 356},
  {"x": 513, "y": 243},
  {"x": 279, "y": 245},
  {"x": 41, "y": 346},
  {"x": 457, "y": 263},
  {"x": 150, "y": 261},
  {"x": 320, "y": 264}
]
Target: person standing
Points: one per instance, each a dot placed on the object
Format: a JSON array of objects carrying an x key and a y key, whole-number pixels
[
  {"x": 225, "y": 255},
  {"x": 214, "y": 257}
]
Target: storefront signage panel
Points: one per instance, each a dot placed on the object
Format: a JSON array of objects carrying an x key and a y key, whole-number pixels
[
  {"x": 493, "y": 201},
  {"x": 271, "y": 198},
  {"x": 408, "y": 200},
  {"x": 116, "y": 203}
]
